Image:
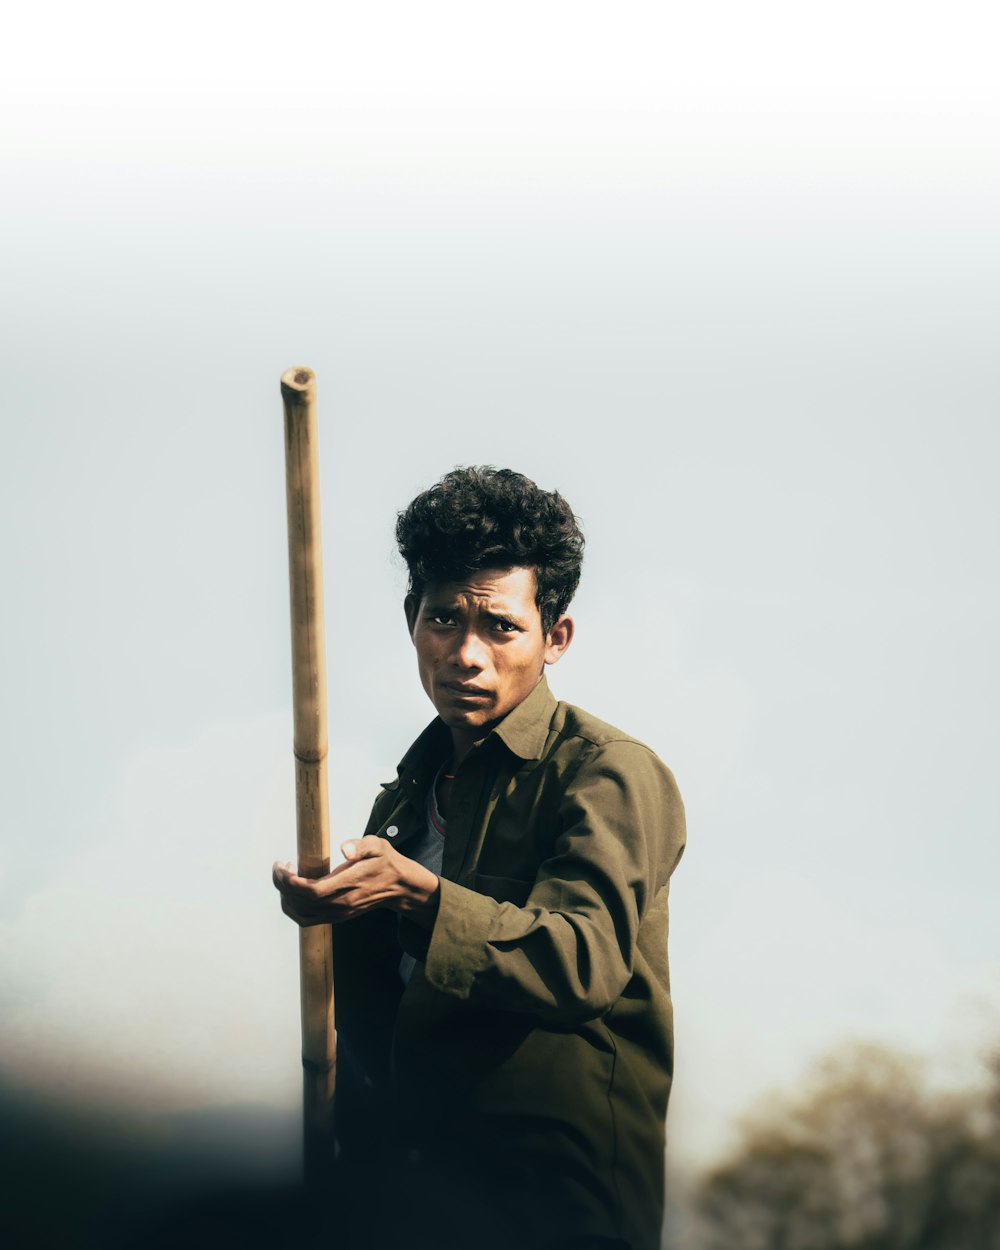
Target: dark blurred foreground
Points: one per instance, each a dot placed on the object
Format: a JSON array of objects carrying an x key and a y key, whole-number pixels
[
  {"x": 863, "y": 1157},
  {"x": 73, "y": 1177}
]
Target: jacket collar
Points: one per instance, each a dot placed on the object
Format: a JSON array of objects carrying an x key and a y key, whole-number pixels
[
  {"x": 417, "y": 767},
  {"x": 523, "y": 731}
]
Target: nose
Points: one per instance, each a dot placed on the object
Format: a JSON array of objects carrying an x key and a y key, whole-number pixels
[{"x": 469, "y": 651}]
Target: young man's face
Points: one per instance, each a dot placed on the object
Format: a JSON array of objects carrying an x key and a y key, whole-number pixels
[{"x": 481, "y": 649}]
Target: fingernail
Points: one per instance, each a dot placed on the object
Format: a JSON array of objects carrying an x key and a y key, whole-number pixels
[{"x": 350, "y": 849}]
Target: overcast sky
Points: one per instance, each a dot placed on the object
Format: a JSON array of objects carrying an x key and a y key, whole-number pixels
[{"x": 725, "y": 275}]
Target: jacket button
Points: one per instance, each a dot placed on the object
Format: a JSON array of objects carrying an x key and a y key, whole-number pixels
[{"x": 392, "y": 831}]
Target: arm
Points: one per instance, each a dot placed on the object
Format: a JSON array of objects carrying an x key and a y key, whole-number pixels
[{"x": 568, "y": 953}]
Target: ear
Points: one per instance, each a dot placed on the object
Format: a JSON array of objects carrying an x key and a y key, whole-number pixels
[
  {"x": 411, "y": 607},
  {"x": 558, "y": 639}
]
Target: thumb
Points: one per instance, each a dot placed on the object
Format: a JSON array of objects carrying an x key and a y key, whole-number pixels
[{"x": 362, "y": 848}]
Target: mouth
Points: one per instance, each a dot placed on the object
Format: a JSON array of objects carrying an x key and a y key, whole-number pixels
[{"x": 459, "y": 690}]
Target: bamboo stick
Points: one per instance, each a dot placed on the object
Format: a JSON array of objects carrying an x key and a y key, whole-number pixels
[{"x": 305, "y": 578}]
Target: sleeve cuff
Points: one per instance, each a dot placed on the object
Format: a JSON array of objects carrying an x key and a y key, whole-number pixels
[{"x": 458, "y": 951}]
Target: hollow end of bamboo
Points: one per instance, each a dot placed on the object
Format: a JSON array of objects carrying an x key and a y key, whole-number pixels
[{"x": 299, "y": 382}]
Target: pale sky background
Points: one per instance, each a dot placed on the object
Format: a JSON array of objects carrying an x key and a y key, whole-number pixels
[{"x": 726, "y": 275}]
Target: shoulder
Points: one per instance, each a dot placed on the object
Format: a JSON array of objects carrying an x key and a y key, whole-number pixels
[
  {"x": 596, "y": 743},
  {"x": 574, "y": 724},
  {"x": 609, "y": 772}
]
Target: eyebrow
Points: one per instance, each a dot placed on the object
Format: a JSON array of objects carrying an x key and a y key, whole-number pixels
[{"x": 432, "y": 606}]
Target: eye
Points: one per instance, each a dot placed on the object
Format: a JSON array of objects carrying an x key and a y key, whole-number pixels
[
  {"x": 506, "y": 627},
  {"x": 441, "y": 618}
]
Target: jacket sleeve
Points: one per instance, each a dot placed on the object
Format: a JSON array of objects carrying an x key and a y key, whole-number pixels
[{"x": 567, "y": 954}]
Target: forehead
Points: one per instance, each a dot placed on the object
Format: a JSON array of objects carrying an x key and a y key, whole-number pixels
[{"x": 511, "y": 590}]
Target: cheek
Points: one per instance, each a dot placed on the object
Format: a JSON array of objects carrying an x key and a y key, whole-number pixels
[
  {"x": 425, "y": 652},
  {"x": 522, "y": 669}
]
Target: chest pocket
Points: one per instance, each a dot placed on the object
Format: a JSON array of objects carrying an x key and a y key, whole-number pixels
[{"x": 503, "y": 889}]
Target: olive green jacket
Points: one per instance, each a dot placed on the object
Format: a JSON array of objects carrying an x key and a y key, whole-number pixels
[{"x": 537, "y": 1026}]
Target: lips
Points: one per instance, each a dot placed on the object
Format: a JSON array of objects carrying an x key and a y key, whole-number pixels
[{"x": 459, "y": 691}]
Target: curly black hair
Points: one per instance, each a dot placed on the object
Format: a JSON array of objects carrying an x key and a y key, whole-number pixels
[{"x": 484, "y": 518}]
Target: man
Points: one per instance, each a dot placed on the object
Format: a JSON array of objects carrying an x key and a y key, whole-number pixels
[{"x": 504, "y": 1024}]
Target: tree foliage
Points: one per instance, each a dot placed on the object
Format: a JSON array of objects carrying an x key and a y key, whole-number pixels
[{"x": 864, "y": 1158}]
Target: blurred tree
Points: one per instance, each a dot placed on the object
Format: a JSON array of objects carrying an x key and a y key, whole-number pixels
[{"x": 863, "y": 1158}]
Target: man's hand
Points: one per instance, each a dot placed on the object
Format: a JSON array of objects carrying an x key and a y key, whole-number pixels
[{"x": 375, "y": 875}]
